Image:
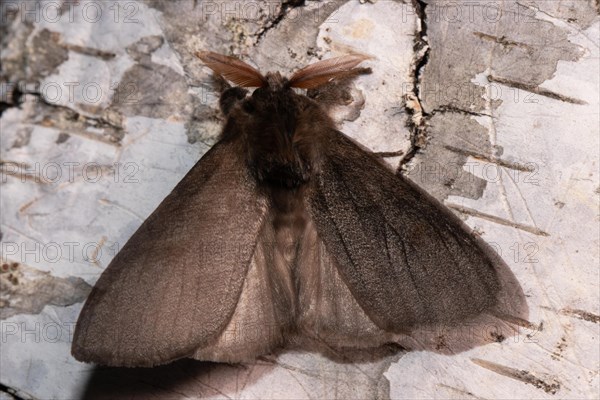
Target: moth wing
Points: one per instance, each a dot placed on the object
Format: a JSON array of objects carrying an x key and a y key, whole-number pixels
[
  {"x": 262, "y": 316},
  {"x": 175, "y": 284},
  {"x": 407, "y": 261}
]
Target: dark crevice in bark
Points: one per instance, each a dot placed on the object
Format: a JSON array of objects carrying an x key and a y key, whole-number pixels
[
  {"x": 10, "y": 99},
  {"x": 452, "y": 109},
  {"x": 412, "y": 101},
  {"x": 100, "y": 122},
  {"x": 62, "y": 117},
  {"x": 14, "y": 393},
  {"x": 286, "y": 6},
  {"x": 421, "y": 42}
]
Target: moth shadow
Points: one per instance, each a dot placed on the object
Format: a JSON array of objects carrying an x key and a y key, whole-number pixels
[{"x": 180, "y": 379}]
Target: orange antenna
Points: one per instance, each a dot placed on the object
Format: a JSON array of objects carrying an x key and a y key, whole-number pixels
[
  {"x": 319, "y": 73},
  {"x": 232, "y": 69}
]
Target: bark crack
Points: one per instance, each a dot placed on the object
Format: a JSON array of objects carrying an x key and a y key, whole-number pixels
[
  {"x": 458, "y": 110},
  {"x": 15, "y": 393},
  {"x": 286, "y": 6},
  {"x": 9, "y": 98},
  {"x": 100, "y": 121},
  {"x": 413, "y": 100},
  {"x": 67, "y": 119}
]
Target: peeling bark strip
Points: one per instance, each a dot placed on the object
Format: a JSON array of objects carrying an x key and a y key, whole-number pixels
[
  {"x": 581, "y": 314},
  {"x": 89, "y": 51},
  {"x": 26, "y": 290},
  {"x": 105, "y": 128},
  {"x": 498, "y": 220},
  {"x": 461, "y": 392},
  {"x": 386, "y": 154},
  {"x": 503, "y": 163},
  {"x": 522, "y": 322},
  {"x": 535, "y": 89},
  {"x": 550, "y": 385},
  {"x": 501, "y": 40}
]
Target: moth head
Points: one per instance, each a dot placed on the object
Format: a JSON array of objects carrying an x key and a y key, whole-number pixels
[{"x": 281, "y": 126}]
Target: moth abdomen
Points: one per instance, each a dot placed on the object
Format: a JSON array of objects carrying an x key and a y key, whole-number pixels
[{"x": 287, "y": 175}]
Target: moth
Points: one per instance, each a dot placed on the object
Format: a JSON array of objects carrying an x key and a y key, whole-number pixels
[{"x": 286, "y": 231}]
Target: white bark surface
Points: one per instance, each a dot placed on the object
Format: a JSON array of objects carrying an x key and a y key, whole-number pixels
[{"x": 494, "y": 106}]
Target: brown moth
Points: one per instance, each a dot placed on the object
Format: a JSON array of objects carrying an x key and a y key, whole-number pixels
[{"x": 285, "y": 232}]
